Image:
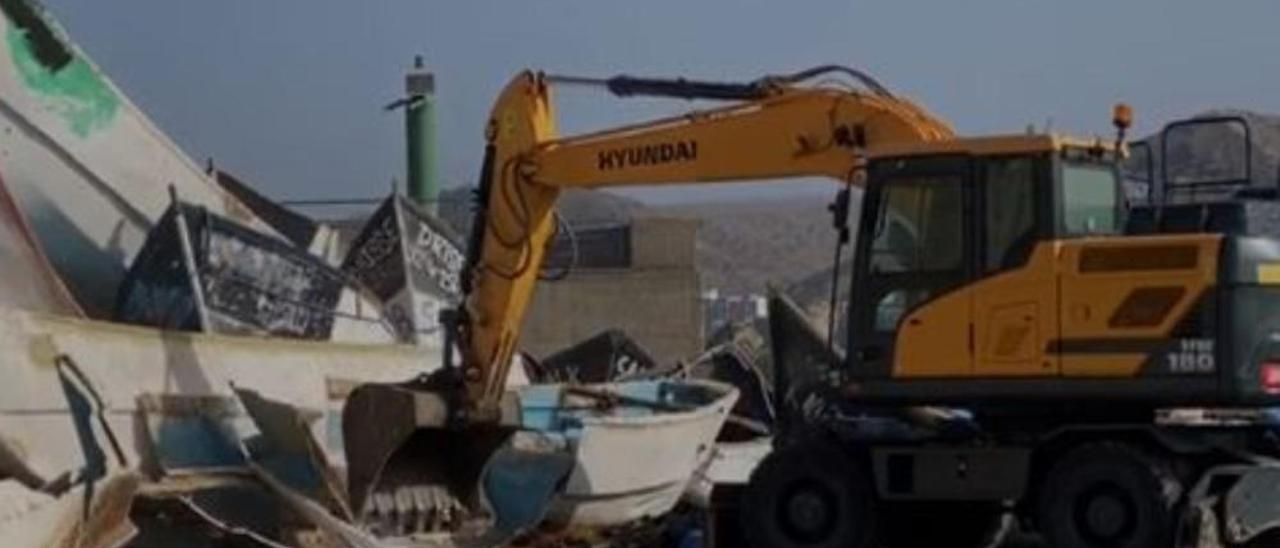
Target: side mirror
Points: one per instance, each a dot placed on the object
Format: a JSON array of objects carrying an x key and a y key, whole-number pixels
[{"x": 839, "y": 208}]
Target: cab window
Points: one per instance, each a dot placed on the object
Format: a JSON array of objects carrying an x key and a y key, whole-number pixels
[
  {"x": 1090, "y": 201},
  {"x": 920, "y": 225},
  {"x": 919, "y": 244},
  {"x": 1009, "y": 199}
]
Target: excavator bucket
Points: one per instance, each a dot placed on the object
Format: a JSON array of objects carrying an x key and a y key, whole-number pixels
[{"x": 408, "y": 471}]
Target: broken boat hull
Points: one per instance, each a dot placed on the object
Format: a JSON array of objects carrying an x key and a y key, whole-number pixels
[{"x": 89, "y": 397}]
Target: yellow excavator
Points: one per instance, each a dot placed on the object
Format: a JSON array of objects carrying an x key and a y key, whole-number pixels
[{"x": 991, "y": 274}]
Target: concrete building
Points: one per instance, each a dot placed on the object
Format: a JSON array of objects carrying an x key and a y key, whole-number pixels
[{"x": 641, "y": 278}]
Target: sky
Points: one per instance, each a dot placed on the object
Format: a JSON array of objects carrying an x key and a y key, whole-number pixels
[{"x": 288, "y": 94}]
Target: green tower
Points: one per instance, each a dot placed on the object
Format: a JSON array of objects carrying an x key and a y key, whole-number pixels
[{"x": 420, "y": 137}]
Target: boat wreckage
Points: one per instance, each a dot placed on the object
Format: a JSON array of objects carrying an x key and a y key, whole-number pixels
[{"x": 182, "y": 352}]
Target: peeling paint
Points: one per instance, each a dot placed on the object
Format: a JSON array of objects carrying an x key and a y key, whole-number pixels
[
  {"x": 43, "y": 350},
  {"x": 75, "y": 92},
  {"x": 70, "y": 86}
]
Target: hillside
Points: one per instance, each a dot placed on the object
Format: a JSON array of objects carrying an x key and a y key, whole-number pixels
[
  {"x": 741, "y": 245},
  {"x": 579, "y": 207},
  {"x": 744, "y": 246}
]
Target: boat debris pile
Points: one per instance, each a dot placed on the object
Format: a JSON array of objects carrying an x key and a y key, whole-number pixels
[
  {"x": 184, "y": 351},
  {"x": 410, "y": 261},
  {"x": 241, "y": 282}
]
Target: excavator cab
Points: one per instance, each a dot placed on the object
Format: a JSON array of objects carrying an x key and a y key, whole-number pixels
[
  {"x": 964, "y": 230},
  {"x": 1001, "y": 270}
]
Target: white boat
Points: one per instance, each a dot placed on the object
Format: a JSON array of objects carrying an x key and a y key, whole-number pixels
[
  {"x": 88, "y": 409},
  {"x": 85, "y": 165},
  {"x": 636, "y": 445},
  {"x": 142, "y": 396}
]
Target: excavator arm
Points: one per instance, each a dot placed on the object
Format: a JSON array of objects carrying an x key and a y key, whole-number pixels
[
  {"x": 441, "y": 430},
  {"x": 774, "y": 129}
]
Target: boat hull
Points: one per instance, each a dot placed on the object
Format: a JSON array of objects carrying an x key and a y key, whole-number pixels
[
  {"x": 52, "y": 360},
  {"x": 631, "y": 462},
  {"x": 87, "y": 167}
]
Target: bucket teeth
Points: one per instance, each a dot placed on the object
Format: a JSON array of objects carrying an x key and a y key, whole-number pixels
[
  {"x": 422, "y": 505},
  {"x": 381, "y": 514},
  {"x": 405, "y": 512},
  {"x": 414, "y": 509}
]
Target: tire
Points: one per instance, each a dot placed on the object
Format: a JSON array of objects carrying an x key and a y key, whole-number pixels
[
  {"x": 1109, "y": 495},
  {"x": 812, "y": 495},
  {"x": 1270, "y": 539},
  {"x": 949, "y": 524}
]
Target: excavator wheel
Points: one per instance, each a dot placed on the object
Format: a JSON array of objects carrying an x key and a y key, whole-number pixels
[
  {"x": 810, "y": 494},
  {"x": 1266, "y": 540},
  {"x": 1109, "y": 495},
  {"x": 950, "y": 524}
]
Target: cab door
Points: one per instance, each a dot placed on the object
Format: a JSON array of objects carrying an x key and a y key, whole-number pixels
[
  {"x": 1015, "y": 295},
  {"x": 914, "y": 252}
]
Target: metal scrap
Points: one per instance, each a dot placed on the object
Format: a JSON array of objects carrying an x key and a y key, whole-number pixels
[
  {"x": 190, "y": 432},
  {"x": 286, "y": 446}
]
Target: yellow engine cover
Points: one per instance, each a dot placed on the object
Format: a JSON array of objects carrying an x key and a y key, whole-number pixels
[{"x": 1090, "y": 307}]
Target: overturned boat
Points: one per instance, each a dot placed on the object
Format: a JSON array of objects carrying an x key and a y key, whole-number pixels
[
  {"x": 410, "y": 261},
  {"x": 199, "y": 271}
]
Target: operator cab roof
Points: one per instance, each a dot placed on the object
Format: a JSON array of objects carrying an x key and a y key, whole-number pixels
[{"x": 990, "y": 146}]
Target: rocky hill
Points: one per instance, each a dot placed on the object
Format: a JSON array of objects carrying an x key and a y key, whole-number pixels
[
  {"x": 741, "y": 245},
  {"x": 744, "y": 246},
  {"x": 579, "y": 207}
]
